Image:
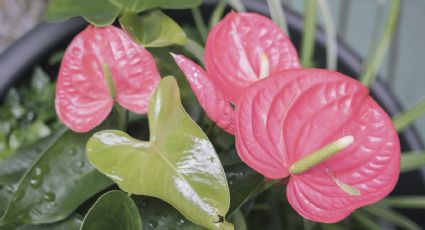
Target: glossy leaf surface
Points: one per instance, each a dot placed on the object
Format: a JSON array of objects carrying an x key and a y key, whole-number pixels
[
  {"x": 153, "y": 29},
  {"x": 212, "y": 100},
  {"x": 178, "y": 164},
  {"x": 243, "y": 48},
  {"x": 103, "y": 13},
  {"x": 113, "y": 210},
  {"x": 96, "y": 61},
  {"x": 285, "y": 117},
  {"x": 71, "y": 223},
  {"x": 57, "y": 182},
  {"x": 157, "y": 214}
]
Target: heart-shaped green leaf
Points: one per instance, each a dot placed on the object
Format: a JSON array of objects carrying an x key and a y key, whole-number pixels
[
  {"x": 153, "y": 29},
  {"x": 113, "y": 210},
  {"x": 58, "y": 181},
  {"x": 178, "y": 165},
  {"x": 104, "y": 12}
]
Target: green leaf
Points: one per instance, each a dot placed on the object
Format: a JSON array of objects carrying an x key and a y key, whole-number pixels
[
  {"x": 157, "y": 214},
  {"x": 113, "y": 210},
  {"x": 412, "y": 161},
  {"x": 71, "y": 223},
  {"x": 363, "y": 219},
  {"x": 392, "y": 216},
  {"x": 238, "y": 221},
  {"x": 404, "y": 119},
  {"x": 104, "y": 12},
  {"x": 243, "y": 182},
  {"x": 405, "y": 201},
  {"x": 58, "y": 181},
  {"x": 178, "y": 164},
  {"x": 99, "y": 13},
  {"x": 153, "y": 29}
]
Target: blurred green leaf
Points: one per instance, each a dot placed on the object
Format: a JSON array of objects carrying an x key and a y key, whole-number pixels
[
  {"x": 199, "y": 22},
  {"x": 113, "y": 210},
  {"x": 217, "y": 14},
  {"x": 405, "y": 201},
  {"x": 405, "y": 118},
  {"x": 237, "y": 5},
  {"x": 277, "y": 14},
  {"x": 364, "y": 220},
  {"x": 153, "y": 29},
  {"x": 57, "y": 182},
  {"x": 178, "y": 164},
  {"x": 194, "y": 48},
  {"x": 238, "y": 220},
  {"x": 392, "y": 216},
  {"x": 157, "y": 214},
  {"x": 411, "y": 161}
]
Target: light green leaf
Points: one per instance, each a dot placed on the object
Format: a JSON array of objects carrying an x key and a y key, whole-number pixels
[
  {"x": 412, "y": 161},
  {"x": 58, "y": 181},
  {"x": 178, "y": 164},
  {"x": 113, "y": 210},
  {"x": 405, "y": 201},
  {"x": 153, "y": 29}
]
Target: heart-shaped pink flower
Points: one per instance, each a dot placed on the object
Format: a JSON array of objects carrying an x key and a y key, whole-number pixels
[
  {"x": 283, "y": 119},
  {"x": 100, "y": 66},
  {"x": 240, "y": 49}
]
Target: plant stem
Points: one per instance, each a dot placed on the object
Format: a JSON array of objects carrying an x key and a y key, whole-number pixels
[
  {"x": 372, "y": 65},
  {"x": 196, "y": 49},
  {"x": 237, "y": 5},
  {"x": 331, "y": 47},
  {"x": 307, "y": 43},
  {"x": 217, "y": 13},
  {"x": 199, "y": 22},
  {"x": 405, "y": 118},
  {"x": 277, "y": 14}
]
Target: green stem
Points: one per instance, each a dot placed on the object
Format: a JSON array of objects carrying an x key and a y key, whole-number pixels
[
  {"x": 307, "y": 43},
  {"x": 320, "y": 155},
  {"x": 196, "y": 49},
  {"x": 404, "y": 119},
  {"x": 199, "y": 22},
  {"x": 237, "y": 5},
  {"x": 277, "y": 14},
  {"x": 372, "y": 65},
  {"x": 217, "y": 13},
  {"x": 331, "y": 44}
]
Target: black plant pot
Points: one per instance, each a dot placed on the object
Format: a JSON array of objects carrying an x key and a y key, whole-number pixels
[{"x": 17, "y": 62}]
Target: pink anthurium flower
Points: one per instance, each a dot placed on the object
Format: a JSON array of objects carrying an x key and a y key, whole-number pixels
[
  {"x": 100, "y": 66},
  {"x": 241, "y": 49},
  {"x": 323, "y": 130}
]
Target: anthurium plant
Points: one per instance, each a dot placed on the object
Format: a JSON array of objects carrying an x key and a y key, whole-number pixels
[{"x": 211, "y": 143}]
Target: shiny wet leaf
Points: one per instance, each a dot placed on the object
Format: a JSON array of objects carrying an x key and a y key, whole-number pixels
[{"x": 178, "y": 164}]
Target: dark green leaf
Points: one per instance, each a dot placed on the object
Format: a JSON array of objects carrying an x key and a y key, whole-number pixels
[
  {"x": 243, "y": 181},
  {"x": 178, "y": 165},
  {"x": 238, "y": 220},
  {"x": 157, "y": 214},
  {"x": 113, "y": 210},
  {"x": 71, "y": 223},
  {"x": 364, "y": 220},
  {"x": 392, "y": 216},
  {"x": 56, "y": 184},
  {"x": 405, "y": 201},
  {"x": 153, "y": 29}
]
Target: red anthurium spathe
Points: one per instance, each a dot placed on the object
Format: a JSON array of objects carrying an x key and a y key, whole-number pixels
[
  {"x": 100, "y": 66},
  {"x": 285, "y": 123},
  {"x": 241, "y": 49}
]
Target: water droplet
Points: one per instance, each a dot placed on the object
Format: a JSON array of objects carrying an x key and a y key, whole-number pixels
[
  {"x": 38, "y": 201},
  {"x": 180, "y": 223},
  {"x": 241, "y": 173},
  {"x": 72, "y": 151},
  {"x": 44, "y": 169},
  {"x": 38, "y": 171},
  {"x": 231, "y": 182},
  {"x": 9, "y": 188},
  {"x": 35, "y": 182},
  {"x": 163, "y": 216},
  {"x": 152, "y": 224},
  {"x": 79, "y": 164},
  {"x": 49, "y": 197},
  {"x": 144, "y": 204}
]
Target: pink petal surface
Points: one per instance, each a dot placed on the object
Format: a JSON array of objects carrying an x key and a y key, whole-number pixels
[
  {"x": 235, "y": 47},
  {"x": 212, "y": 101},
  {"x": 83, "y": 99},
  {"x": 285, "y": 117}
]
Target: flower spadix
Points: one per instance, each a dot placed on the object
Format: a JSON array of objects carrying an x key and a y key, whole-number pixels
[
  {"x": 102, "y": 65},
  {"x": 324, "y": 131},
  {"x": 240, "y": 49}
]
